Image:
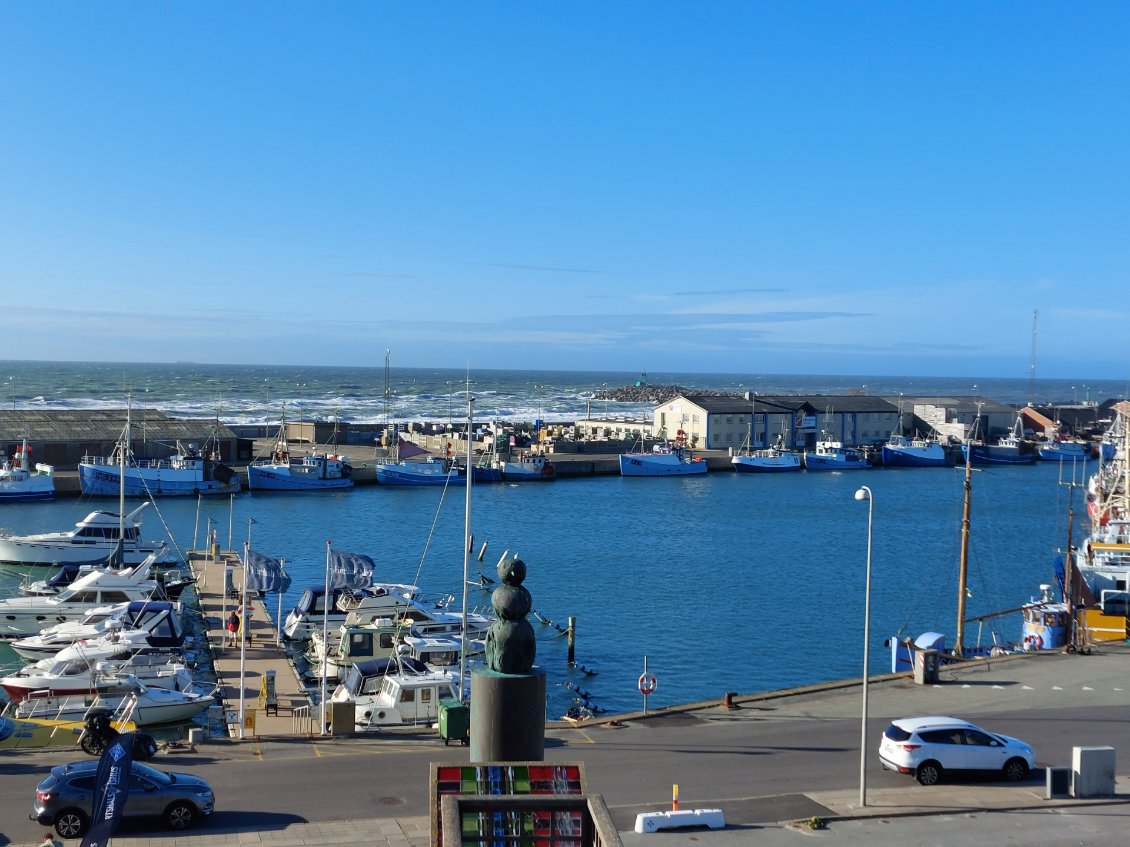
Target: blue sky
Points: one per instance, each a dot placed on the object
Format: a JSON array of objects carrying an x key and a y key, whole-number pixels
[{"x": 886, "y": 188}]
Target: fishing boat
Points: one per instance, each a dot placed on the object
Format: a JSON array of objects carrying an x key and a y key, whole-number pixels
[
  {"x": 22, "y": 483},
  {"x": 1063, "y": 450},
  {"x": 831, "y": 455},
  {"x": 93, "y": 541},
  {"x": 398, "y": 691},
  {"x": 24, "y": 616},
  {"x": 1099, "y": 576},
  {"x": 776, "y": 458},
  {"x": 282, "y": 471},
  {"x": 665, "y": 459},
  {"x": 188, "y": 472},
  {"x": 1011, "y": 449},
  {"x": 904, "y": 452},
  {"x": 435, "y": 470},
  {"x": 526, "y": 467}
]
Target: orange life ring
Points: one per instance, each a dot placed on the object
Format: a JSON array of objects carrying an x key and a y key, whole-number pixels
[{"x": 647, "y": 684}]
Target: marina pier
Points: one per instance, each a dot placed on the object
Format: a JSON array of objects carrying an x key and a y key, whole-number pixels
[{"x": 285, "y": 709}]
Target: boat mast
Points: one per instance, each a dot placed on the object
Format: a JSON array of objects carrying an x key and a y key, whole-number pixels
[
  {"x": 120, "y": 554},
  {"x": 963, "y": 567},
  {"x": 466, "y": 548}
]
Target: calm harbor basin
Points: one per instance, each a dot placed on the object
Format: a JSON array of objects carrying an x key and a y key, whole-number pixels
[{"x": 725, "y": 582}]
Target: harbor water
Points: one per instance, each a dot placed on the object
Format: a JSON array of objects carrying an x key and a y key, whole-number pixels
[{"x": 725, "y": 582}]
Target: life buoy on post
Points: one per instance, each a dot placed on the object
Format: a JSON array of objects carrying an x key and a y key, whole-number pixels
[{"x": 647, "y": 684}]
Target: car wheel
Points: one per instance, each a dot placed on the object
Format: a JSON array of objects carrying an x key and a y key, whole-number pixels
[
  {"x": 929, "y": 773},
  {"x": 70, "y": 823},
  {"x": 179, "y": 815},
  {"x": 1016, "y": 770}
]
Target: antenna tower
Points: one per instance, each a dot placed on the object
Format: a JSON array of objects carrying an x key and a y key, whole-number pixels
[{"x": 1032, "y": 363}]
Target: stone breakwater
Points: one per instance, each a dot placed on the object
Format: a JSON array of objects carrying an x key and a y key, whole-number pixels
[{"x": 655, "y": 393}]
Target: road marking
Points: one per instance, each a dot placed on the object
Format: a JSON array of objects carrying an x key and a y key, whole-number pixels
[{"x": 1057, "y": 688}]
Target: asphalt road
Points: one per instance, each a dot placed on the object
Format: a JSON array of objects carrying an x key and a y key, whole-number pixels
[{"x": 756, "y": 762}]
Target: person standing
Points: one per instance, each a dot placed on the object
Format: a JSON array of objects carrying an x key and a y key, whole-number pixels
[{"x": 233, "y": 628}]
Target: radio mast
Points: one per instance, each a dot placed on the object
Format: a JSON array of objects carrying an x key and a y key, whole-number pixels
[{"x": 1032, "y": 363}]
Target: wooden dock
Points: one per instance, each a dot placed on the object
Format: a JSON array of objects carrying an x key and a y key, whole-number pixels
[{"x": 262, "y": 652}]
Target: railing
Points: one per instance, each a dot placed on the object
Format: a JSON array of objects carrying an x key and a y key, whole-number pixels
[
  {"x": 578, "y": 820},
  {"x": 301, "y": 722}
]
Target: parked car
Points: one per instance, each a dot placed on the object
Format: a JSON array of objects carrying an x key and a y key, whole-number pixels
[
  {"x": 65, "y": 798},
  {"x": 929, "y": 747}
]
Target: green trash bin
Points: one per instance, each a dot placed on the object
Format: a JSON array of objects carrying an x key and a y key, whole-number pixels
[{"x": 454, "y": 721}]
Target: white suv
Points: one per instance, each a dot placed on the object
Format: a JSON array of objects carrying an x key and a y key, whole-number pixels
[{"x": 928, "y": 747}]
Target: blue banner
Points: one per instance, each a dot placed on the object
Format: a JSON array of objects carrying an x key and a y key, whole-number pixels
[
  {"x": 350, "y": 570},
  {"x": 111, "y": 788},
  {"x": 265, "y": 574}
]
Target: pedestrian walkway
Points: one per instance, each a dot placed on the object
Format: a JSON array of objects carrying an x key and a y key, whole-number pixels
[{"x": 258, "y": 654}]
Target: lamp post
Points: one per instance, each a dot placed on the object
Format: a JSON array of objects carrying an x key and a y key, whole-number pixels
[{"x": 864, "y": 493}]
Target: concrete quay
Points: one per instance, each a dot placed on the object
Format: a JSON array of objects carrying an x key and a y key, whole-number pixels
[{"x": 772, "y": 763}]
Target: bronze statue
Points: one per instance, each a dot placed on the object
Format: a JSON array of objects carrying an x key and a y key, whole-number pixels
[{"x": 510, "y": 642}]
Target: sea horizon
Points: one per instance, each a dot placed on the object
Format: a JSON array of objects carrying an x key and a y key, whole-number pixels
[{"x": 246, "y": 394}]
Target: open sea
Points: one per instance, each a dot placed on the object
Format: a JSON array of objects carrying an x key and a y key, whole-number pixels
[{"x": 724, "y": 583}]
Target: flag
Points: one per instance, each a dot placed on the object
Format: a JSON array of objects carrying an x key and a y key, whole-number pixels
[
  {"x": 265, "y": 573},
  {"x": 350, "y": 570},
  {"x": 111, "y": 789},
  {"x": 408, "y": 449}
]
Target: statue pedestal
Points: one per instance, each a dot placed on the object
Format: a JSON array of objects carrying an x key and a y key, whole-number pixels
[{"x": 507, "y": 716}]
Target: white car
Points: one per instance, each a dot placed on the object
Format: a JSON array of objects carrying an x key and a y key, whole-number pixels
[{"x": 929, "y": 747}]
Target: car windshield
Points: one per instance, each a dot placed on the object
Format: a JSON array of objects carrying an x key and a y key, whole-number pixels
[{"x": 159, "y": 777}]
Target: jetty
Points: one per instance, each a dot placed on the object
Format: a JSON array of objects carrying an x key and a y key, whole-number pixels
[{"x": 274, "y": 702}]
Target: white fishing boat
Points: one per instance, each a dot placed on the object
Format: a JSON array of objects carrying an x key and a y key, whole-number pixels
[
  {"x": 283, "y": 471},
  {"x": 399, "y": 691},
  {"x": 775, "y": 459},
  {"x": 22, "y": 483},
  {"x": 189, "y": 472},
  {"x": 95, "y": 539},
  {"x": 24, "y": 616},
  {"x": 832, "y": 455},
  {"x": 436, "y": 470},
  {"x": 526, "y": 467},
  {"x": 904, "y": 452},
  {"x": 666, "y": 459}
]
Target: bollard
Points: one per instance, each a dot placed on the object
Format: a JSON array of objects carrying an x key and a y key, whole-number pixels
[
  {"x": 675, "y": 797},
  {"x": 571, "y": 635},
  {"x": 728, "y": 700}
]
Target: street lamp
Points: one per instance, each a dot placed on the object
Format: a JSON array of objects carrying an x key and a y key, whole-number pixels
[{"x": 864, "y": 493}]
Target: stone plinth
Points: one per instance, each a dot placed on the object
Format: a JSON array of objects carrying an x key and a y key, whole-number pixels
[{"x": 507, "y": 716}]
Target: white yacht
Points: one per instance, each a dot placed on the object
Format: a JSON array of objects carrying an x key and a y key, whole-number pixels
[
  {"x": 24, "y": 616},
  {"x": 93, "y": 541},
  {"x": 382, "y": 600},
  {"x": 395, "y": 692}
]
